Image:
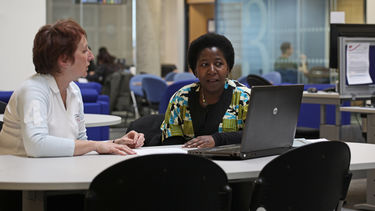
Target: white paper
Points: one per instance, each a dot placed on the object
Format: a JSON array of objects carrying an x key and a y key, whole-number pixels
[
  {"x": 337, "y": 17},
  {"x": 301, "y": 141},
  {"x": 358, "y": 64},
  {"x": 152, "y": 150}
]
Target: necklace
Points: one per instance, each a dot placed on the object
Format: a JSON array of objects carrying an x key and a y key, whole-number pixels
[{"x": 204, "y": 102}]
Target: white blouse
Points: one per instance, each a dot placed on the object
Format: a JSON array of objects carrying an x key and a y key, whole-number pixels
[{"x": 36, "y": 122}]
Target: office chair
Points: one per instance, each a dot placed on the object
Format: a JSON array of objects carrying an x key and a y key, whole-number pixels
[
  {"x": 137, "y": 94},
  {"x": 256, "y": 80},
  {"x": 153, "y": 89},
  {"x": 183, "y": 76},
  {"x": 273, "y": 77},
  {"x": 243, "y": 80},
  {"x": 137, "y": 88},
  {"x": 161, "y": 182},
  {"x": 170, "y": 76},
  {"x": 171, "y": 89},
  {"x": 166, "y": 69},
  {"x": 149, "y": 125},
  {"x": 288, "y": 76},
  {"x": 3, "y": 105},
  {"x": 309, "y": 178}
]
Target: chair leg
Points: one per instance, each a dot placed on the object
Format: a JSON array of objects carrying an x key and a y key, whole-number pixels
[
  {"x": 134, "y": 105},
  {"x": 339, "y": 205}
]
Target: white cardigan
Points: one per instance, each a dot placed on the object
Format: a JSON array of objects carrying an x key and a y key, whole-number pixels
[{"x": 36, "y": 122}]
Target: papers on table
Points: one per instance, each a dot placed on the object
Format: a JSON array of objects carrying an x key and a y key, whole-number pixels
[
  {"x": 152, "y": 150},
  {"x": 301, "y": 141},
  {"x": 358, "y": 64}
]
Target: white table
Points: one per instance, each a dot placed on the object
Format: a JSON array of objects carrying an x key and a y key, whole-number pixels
[
  {"x": 35, "y": 175},
  {"x": 95, "y": 120},
  {"x": 370, "y": 123}
]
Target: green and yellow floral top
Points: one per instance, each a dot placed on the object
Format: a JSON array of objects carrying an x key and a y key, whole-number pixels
[{"x": 178, "y": 118}]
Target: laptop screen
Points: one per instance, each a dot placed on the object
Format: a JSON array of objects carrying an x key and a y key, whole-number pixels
[{"x": 272, "y": 117}]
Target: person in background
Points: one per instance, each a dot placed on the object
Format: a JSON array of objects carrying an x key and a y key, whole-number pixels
[
  {"x": 211, "y": 112},
  {"x": 91, "y": 76},
  {"x": 105, "y": 66},
  {"x": 44, "y": 116},
  {"x": 284, "y": 63}
]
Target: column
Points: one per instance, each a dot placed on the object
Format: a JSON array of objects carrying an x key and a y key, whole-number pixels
[{"x": 148, "y": 36}]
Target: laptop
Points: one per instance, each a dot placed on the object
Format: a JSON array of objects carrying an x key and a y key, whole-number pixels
[{"x": 270, "y": 126}]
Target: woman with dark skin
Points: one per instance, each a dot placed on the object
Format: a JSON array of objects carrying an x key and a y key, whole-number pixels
[{"x": 211, "y": 112}]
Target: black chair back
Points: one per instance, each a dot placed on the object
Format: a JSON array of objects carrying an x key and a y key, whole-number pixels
[
  {"x": 3, "y": 105},
  {"x": 161, "y": 182},
  {"x": 309, "y": 178},
  {"x": 149, "y": 125},
  {"x": 256, "y": 80}
]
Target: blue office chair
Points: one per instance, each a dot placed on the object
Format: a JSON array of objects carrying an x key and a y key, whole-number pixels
[
  {"x": 136, "y": 92},
  {"x": 310, "y": 178},
  {"x": 242, "y": 80},
  {"x": 183, "y": 76},
  {"x": 171, "y": 89},
  {"x": 273, "y": 76},
  {"x": 161, "y": 182},
  {"x": 153, "y": 89},
  {"x": 170, "y": 76},
  {"x": 137, "y": 88},
  {"x": 288, "y": 76}
]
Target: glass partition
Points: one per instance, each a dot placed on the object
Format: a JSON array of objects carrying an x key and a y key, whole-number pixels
[
  {"x": 289, "y": 36},
  {"x": 107, "y": 23}
]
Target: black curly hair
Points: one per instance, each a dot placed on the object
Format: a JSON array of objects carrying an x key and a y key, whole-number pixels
[{"x": 207, "y": 41}]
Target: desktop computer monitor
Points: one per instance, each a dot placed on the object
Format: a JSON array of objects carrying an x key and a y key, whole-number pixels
[
  {"x": 341, "y": 36},
  {"x": 346, "y": 30},
  {"x": 362, "y": 84}
]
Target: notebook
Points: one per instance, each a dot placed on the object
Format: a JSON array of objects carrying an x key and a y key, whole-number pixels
[{"x": 270, "y": 125}]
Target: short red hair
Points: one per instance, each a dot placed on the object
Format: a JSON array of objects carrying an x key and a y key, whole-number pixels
[{"x": 53, "y": 41}]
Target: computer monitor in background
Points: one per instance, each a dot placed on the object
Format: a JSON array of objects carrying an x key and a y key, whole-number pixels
[
  {"x": 346, "y": 30},
  {"x": 362, "y": 89},
  {"x": 343, "y": 35}
]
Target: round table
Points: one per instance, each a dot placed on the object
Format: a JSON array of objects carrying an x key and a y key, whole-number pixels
[{"x": 95, "y": 120}]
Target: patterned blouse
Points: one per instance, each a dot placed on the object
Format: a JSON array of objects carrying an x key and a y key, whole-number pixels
[{"x": 178, "y": 121}]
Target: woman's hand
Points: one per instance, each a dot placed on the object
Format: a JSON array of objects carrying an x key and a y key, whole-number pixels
[
  {"x": 200, "y": 142},
  {"x": 131, "y": 139},
  {"x": 103, "y": 147}
]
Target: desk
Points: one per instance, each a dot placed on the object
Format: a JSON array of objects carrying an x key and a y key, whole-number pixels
[
  {"x": 331, "y": 132},
  {"x": 35, "y": 175},
  {"x": 370, "y": 198},
  {"x": 95, "y": 120}
]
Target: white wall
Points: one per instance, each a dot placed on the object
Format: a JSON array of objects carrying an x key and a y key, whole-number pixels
[
  {"x": 370, "y": 11},
  {"x": 19, "y": 22}
]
